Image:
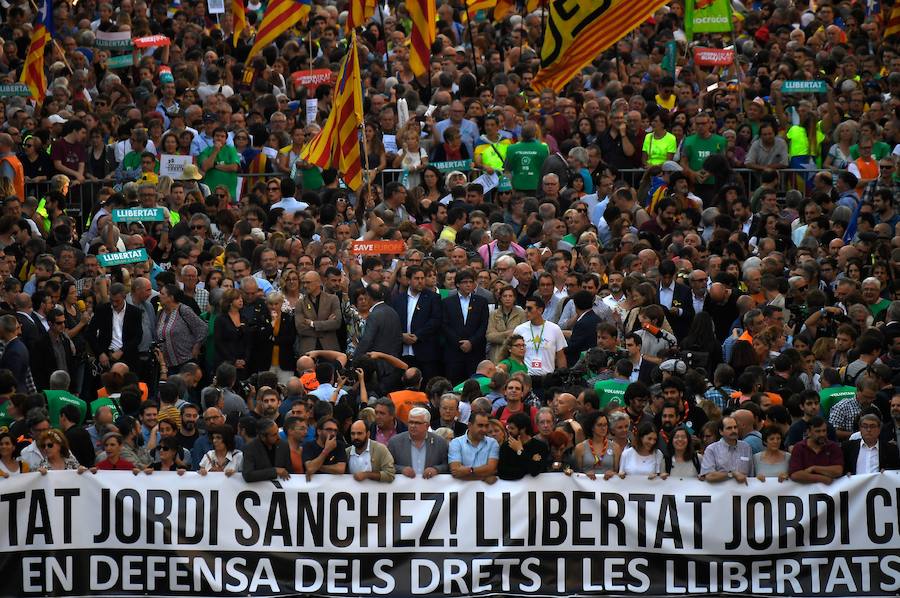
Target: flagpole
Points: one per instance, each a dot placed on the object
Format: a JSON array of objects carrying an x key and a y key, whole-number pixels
[{"x": 471, "y": 42}]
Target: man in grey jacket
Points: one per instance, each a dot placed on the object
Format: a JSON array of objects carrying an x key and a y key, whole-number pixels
[{"x": 419, "y": 452}]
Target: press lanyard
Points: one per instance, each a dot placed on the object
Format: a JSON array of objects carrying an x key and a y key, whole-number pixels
[{"x": 536, "y": 341}]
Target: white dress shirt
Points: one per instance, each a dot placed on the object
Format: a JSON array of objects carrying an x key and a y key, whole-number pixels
[
  {"x": 118, "y": 320},
  {"x": 867, "y": 461},
  {"x": 411, "y": 302},
  {"x": 667, "y": 294},
  {"x": 464, "y": 306},
  {"x": 358, "y": 462},
  {"x": 698, "y": 302}
]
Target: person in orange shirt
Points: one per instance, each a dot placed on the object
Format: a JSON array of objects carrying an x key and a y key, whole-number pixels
[
  {"x": 865, "y": 168},
  {"x": 411, "y": 396}
]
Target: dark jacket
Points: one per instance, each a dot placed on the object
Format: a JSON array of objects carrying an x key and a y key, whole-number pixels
[
  {"x": 230, "y": 342},
  {"x": 99, "y": 332},
  {"x": 43, "y": 360},
  {"x": 285, "y": 340},
  {"x": 426, "y": 323},
  {"x": 383, "y": 334},
  {"x": 32, "y": 330},
  {"x": 681, "y": 298},
  {"x": 399, "y": 428},
  {"x": 257, "y": 464},
  {"x": 888, "y": 458},
  {"x": 473, "y": 330},
  {"x": 584, "y": 336},
  {"x": 15, "y": 359}
]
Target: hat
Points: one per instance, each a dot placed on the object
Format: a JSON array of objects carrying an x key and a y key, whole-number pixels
[
  {"x": 504, "y": 184},
  {"x": 166, "y": 77},
  {"x": 190, "y": 172},
  {"x": 671, "y": 166},
  {"x": 56, "y": 119},
  {"x": 210, "y": 117},
  {"x": 673, "y": 366}
]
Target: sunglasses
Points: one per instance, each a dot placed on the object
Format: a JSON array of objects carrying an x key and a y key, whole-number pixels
[
  {"x": 48, "y": 445},
  {"x": 199, "y": 226},
  {"x": 274, "y": 188}
]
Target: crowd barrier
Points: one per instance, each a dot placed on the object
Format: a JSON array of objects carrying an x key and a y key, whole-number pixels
[{"x": 120, "y": 535}]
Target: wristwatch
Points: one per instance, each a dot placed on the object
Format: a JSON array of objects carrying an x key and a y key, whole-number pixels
[
  {"x": 730, "y": 475},
  {"x": 471, "y": 470}
]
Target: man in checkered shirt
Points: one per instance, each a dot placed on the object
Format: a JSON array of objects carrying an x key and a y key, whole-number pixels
[{"x": 844, "y": 414}]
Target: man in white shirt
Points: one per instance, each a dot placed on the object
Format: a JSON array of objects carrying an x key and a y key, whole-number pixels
[
  {"x": 698, "y": 280},
  {"x": 367, "y": 459},
  {"x": 288, "y": 202},
  {"x": 868, "y": 454},
  {"x": 544, "y": 341}
]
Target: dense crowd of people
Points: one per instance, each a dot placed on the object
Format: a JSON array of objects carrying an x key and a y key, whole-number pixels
[{"x": 663, "y": 270}]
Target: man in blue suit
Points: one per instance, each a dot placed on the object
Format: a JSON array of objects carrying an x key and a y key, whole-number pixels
[
  {"x": 15, "y": 354},
  {"x": 420, "y": 319},
  {"x": 465, "y": 326}
]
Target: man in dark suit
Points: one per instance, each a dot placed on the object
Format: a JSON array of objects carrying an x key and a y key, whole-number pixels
[
  {"x": 115, "y": 331},
  {"x": 266, "y": 457},
  {"x": 53, "y": 351},
  {"x": 15, "y": 354},
  {"x": 583, "y": 335},
  {"x": 675, "y": 299},
  {"x": 373, "y": 272},
  {"x": 436, "y": 448},
  {"x": 868, "y": 454},
  {"x": 383, "y": 334},
  {"x": 31, "y": 330},
  {"x": 465, "y": 328},
  {"x": 419, "y": 310}
]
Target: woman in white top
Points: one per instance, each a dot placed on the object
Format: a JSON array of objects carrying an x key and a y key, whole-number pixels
[
  {"x": 643, "y": 458},
  {"x": 9, "y": 465},
  {"x": 223, "y": 457}
]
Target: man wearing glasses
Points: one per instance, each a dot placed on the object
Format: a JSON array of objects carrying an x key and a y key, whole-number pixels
[
  {"x": 327, "y": 453},
  {"x": 266, "y": 457}
]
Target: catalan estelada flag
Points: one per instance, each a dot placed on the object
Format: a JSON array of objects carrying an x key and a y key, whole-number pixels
[
  {"x": 891, "y": 28},
  {"x": 578, "y": 33},
  {"x": 33, "y": 74},
  {"x": 280, "y": 16},
  {"x": 337, "y": 144},
  {"x": 503, "y": 8},
  {"x": 359, "y": 12},
  {"x": 423, "y": 14},
  {"x": 238, "y": 19}
]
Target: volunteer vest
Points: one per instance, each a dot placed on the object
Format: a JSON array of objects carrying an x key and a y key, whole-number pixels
[
  {"x": 19, "y": 178},
  {"x": 868, "y": 169}
]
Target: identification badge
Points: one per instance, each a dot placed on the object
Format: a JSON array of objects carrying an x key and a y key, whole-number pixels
[{"x": 536, "y": 364}]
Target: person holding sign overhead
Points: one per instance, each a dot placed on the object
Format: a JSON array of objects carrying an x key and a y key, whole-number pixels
[{"x": 220, "y": 162}]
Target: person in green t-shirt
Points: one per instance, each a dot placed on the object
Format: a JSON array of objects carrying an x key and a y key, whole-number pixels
[
  {"x": 611, "y": 392},
  {"x": 483, "y": 381},
  {"x": 696, "y": 148},
  {"x": 220, "y": 163},
  {"x": 871, "y": 293},
  {"x": 830, "y": 396},
  {"x": 524, "y": 160},
  {"x": 105, "y": 402},
  {"x": 659, "y": 145},
  {"x": 57, "y": 399}
]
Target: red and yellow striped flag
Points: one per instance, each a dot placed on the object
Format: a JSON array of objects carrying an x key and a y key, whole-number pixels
[
  {"x": 474, "y": 6},
  {"x": 580, "y": 35},
  {"x": 280, "y": 16},
  {"x": 423, "y": 14},
  {"x": 892, "y": 27},
  {"x": 337, "y": 144},
  {"x": 359, "y": 12},
  {"x": 238, "y": 19},
  {"x": 33, "y": 74}
]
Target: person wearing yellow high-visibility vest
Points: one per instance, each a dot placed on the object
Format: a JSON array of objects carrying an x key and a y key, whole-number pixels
[{"x": 491, "y": 147}]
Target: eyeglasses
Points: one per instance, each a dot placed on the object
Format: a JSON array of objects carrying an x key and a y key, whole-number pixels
[
  {"x": 166, "y": 448},
  {"x": 60, "y": 323},
  {"x": 220, "y": 196},
  {"x": 48, "y": 445},
  {"x": 581, "y": 210},
  {"x": 274, "y": 189},
  {"x": 198, "y": 226}
]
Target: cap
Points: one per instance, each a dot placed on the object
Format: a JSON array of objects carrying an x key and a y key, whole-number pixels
[
  {"x": 505, "y": 184},
  {"x": 56, "y": 119},
  {"x": 671, "y": 166},
  {"x": 210, "y": 117},
  {"x": 166, "y": 77},
  {"x": 673, "y": 366}
]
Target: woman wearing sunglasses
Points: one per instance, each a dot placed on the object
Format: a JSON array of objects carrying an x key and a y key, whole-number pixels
[{"x": 57, "y": 456}]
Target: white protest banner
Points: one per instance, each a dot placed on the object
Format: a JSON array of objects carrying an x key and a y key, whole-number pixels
[
  {"x": 215, "y": 7},
  {"x": 312, "y": 110},
  {"x": 173, "y": 166},
  {"x": 113, "y": 40},
  {"x": 390, "y": 143},
  {"x": 552, "y": 535}
]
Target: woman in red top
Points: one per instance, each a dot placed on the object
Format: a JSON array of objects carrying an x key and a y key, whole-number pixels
[{"x": 112, "y": 444}]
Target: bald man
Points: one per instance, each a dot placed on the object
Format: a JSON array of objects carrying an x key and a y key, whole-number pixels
[
  {"x": 721, "y": 305},
  {"x": 747, "y": 429}
]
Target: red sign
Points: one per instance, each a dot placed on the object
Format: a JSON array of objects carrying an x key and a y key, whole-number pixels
[
  {"x": 151, "y": 41},
  {"x": 378, "y": 247},
  {"x": 312, "y": 79},
  {"x": 713, "y": 57}
]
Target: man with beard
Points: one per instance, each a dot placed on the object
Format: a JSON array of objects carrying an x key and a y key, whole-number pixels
[
  {"x": 367, "y": 459},
  {"x": 816, "y": 459},
  {"x": 325, "y": 454},
  {"x": 521, "y": 454},
  {"x": 267, "y": 404},
  {"x": 616, "y": 296},
  {"x": 668, "y": 419},
  {"x": 188, "y": 434},
  {"x": 266, "y": 457},
  {"x": 666, "y": 215}
]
